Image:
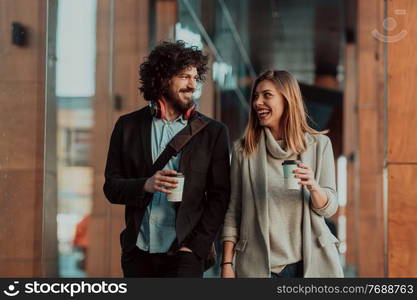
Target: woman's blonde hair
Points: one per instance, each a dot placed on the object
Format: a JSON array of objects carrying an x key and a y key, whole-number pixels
[{"x": 293, "y": 120}]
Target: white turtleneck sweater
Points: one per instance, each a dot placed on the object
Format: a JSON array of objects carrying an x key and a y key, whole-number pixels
[{"x": 285, "y": 208}]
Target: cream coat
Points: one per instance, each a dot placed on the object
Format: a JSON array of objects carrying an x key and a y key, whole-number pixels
[{"x": 246, "y": 221}]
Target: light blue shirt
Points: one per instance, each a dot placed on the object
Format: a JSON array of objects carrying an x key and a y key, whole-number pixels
[{"x": 157, "y": 231}]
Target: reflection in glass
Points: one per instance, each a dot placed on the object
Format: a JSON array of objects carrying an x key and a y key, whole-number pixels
[{"x": 75, "y": 86}]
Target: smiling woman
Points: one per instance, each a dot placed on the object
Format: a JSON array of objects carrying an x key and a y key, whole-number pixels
[
  {"x": 269, "y": 103},
  {"x": 278, "y": 105},
  {"x": 291, "y": 222}
]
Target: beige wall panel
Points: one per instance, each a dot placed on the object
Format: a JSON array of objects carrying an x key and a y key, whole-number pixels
[
  {"x": 119, "y": 54},
  {"x": 371, "y": 229},
  {"x": 18, "y": 268},
  {"x": 22, "y": 63},
  {"x": 22, "y": 98},
  {"x": 117, "y": 225},
  {"x": 98, "y": 252},
  {"x": 402, "y": 147},
  {"x": 350, "y": 144},
  {"x": 22, "y": 123},
  {"x": 20, "y": 221},
  {"x": 98, "y": 261},
  {"x": 101, "y": 204},
  {"x": 127, "y": 82},
  {"x": 102, "y": 115},
  {"x": 166, "y": 18},
  {"x": 126, "y": 13},
  {"x": 368, "y": 20},
  {"x": 402, "y": 91},
  {"x": 370, "y": 129},
  {"x": 402, "y": 210}
]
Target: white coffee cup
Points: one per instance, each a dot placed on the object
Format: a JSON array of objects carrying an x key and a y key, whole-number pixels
[
  {"x": 291, "y": 183},
  {"x": 176, "y": 195}
]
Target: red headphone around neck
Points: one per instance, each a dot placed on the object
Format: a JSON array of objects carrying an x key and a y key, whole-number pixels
[{"x": 158, "y": 110}]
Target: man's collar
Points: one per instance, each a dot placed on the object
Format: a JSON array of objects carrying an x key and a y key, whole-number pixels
[{"x": 179, "y": 119}]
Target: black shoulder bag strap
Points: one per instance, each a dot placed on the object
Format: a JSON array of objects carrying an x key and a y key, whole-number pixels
[{"x": 179, "y": 141}]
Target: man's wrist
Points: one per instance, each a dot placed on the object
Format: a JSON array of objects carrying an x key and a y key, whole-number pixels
[
  {"x": 145, "y": 186},
  {"x": 186, "y": 249}
]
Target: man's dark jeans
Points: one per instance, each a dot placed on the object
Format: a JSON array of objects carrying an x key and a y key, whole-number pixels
[{"x": 138, "y": 263}]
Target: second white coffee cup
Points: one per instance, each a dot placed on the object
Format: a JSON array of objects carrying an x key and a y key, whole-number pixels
[{"x": 291, "y": 183}]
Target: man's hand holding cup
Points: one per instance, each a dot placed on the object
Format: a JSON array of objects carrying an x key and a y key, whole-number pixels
[{"x": 160, "y": 181}]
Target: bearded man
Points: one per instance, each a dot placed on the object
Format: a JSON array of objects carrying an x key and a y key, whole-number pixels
[{"x": 163, "y": 238}]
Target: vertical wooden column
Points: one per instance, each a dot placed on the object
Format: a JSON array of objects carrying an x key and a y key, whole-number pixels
[
  {"x": 99, "y": 232},
  {"x": 50, "y": 256},
  {"x": 122, "y": 43},
  {"x": 22, "y": 117},
  {"x": 402, "y": 143},
  {"x": 350, "y": 143},
  {"x": 371, "y": 256},
  {"x": 166, "y": 17}
]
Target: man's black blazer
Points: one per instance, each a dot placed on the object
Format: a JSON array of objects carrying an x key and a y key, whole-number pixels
[{"x": 205, "y": 164}]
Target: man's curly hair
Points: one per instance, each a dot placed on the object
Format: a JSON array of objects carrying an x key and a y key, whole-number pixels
[{"x": 165, "y": 61}]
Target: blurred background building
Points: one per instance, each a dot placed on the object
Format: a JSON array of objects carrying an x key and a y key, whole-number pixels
[{"x": 69, "y": 69}]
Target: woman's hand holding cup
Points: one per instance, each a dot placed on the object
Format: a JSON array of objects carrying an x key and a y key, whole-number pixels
[{"x": 305, "y": 173}]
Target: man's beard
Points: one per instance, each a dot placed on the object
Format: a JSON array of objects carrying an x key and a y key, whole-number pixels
[{"x": 176, "y": 102}]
